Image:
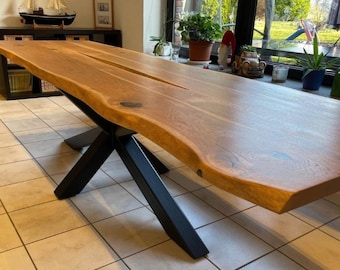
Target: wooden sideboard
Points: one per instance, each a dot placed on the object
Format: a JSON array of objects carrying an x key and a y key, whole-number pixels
[{"x": 16, "y": 82}]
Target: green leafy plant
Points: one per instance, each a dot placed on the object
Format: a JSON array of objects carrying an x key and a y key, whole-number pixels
[
  {"x": 199, "y": 27},
  {"x": 247, "y": 48},
  {"x": 158, "y": 48},
  {"x": 316, "y": 61}
]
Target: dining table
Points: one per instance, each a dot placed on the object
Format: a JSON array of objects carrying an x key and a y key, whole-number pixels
[{"x": 274, "y": 146}]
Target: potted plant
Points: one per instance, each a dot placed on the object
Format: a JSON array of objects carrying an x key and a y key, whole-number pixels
[
  {"x": 200, "y": 32},
  {"x": 162, "y": 47},
  {"x": 315, "y": 65}
]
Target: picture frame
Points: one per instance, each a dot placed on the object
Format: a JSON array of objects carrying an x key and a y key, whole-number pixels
[{"x": 103, "y": 13}]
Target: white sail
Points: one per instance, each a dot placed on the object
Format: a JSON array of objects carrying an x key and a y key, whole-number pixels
[
  {"x": 27, "y": 4},
  {"x": 56, "y": 4}
]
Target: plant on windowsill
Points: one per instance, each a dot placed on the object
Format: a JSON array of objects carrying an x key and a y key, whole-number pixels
[
  {"x": 315, "y": 65},
  {"x": 248, "y": 64},
  {"x": 162, "y": 47},
  {"x": 200, "y": 32}
]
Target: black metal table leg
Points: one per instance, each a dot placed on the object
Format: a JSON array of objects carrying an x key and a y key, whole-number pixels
[
  {"x": 144, "y": 168},
  {"x": 167, "y": 211},
  {"x": 84, "y": 139},
  {"x": 86, "y": 167}
]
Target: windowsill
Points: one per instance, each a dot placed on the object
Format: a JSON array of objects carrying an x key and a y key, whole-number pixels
[{"x": 291, "y": 83}]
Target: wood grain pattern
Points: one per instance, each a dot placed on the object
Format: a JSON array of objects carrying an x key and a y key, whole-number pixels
[{"x": 276, "y": 147}]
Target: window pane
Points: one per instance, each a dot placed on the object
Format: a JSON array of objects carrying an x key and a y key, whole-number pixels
[
  {"x": 223, "y": 11},
  {"x": 293, "y": 24}
]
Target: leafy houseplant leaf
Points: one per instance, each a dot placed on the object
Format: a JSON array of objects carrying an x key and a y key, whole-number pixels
[{"x": 316, "y": 61}]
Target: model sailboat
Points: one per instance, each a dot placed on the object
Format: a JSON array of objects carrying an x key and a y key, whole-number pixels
[
  {"x": 55, "y": 13},
  {"x": 56, "y": 4}
]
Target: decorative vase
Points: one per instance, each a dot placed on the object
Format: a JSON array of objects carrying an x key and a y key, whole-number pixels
[
  {"x": 200, "y": 50},
  {"x": 313, "y": 80}
]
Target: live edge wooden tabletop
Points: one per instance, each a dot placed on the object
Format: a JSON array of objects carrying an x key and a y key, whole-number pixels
[{"x": 276, "y": 147}]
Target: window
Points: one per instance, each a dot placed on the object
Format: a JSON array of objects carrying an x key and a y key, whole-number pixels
[{"x": 291, "y": 25}]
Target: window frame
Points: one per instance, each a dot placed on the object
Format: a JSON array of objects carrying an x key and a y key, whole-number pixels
[{"x": 244, "y": 28}]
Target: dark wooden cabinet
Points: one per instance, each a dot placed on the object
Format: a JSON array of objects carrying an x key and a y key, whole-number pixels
[{"x": 16, "y": 82}]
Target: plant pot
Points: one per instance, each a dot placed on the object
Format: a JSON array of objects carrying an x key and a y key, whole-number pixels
[
  {"x": 199, "y": 50},
  {"x": 162, "y": 49},
  {"x": 313, "y": 80}
]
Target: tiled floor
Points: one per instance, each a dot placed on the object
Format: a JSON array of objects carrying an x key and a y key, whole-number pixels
[{"x": 110, "y": 226}]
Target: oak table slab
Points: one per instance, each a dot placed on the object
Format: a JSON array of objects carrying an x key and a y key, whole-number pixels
[{"x": 274, "y": 146}]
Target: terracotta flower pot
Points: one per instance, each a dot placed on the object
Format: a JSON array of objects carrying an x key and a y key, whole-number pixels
[{"x": 199, "y": 50}]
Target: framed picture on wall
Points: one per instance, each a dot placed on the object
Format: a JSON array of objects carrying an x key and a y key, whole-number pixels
[{"x": 103, "y": 13}]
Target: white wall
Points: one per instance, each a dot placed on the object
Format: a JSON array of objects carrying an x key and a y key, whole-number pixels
[{"x": 138, "y": 19}]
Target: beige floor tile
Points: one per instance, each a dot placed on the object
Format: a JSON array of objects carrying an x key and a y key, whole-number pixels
[
  {"x": 57, "y": 117},
  {"x": 332, "y": 228},
  {"x": 13, "y": 153},
  {"x": 8, "y": 140},
  {"x": 174, "y": 188},
  {"x": 223, "y": 201},
  {"x": 169, "y": 161},
  {"x": 26, "y": 194},
  {"x": 105, "y": 202},
  {"x": 197, "y": 212},
  {"x": 167, "y": 256},
  {"x": 56, "y": 232},
  {"x": 273, "y": 228},
  {"x": 61, "y": 101},
  {"x": 46, "y": 220},
  {"x": 115, "y": 266},
  {"x": 134, "y": 190},
  {"x": 113, "y": 157},
  {"x": 16, "y": 259},
  {"x": 273, "y": 261},
  {"x": 117, "y": 170},
  {"x": 79, "y": 249},
  {"x": 187, "y": 179},
  {"x": 318, "y": 212},
  {"x": 132, "y": 232},
  {"x": 315, "y": 250},
  {"x": 9, "y": 239},
  {"x": 57, "y": 164},
  {"x": 2, "y": 209},
  {"x": 14, "y": 110},
  {"x": 38, "y": 105},
  {"x": 17, "y": 115},
  {"x": 19, "y": 172},
  {"x": 25, "y": 124},
  {"x": 230, "y": 245},
  {"x": 37, "y": 135},
  {"x": 99, "y": 180},
  {"x": 70, "y": 130},
  {"x": 3, "y": 128},
  {"x": 334, "y": 198},
  {"x": 47, "y": 148}
]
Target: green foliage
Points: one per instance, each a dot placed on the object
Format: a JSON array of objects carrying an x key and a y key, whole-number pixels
[
  {"x": 200, "y": 28},
  {"x": 292, "y": 9},
  {"x": 280, "y": 30},
  {"x": 316, "y": 61},
  {"x": 247, "y": 48},
  {"x": 211, "y": 8}
]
